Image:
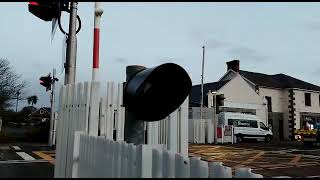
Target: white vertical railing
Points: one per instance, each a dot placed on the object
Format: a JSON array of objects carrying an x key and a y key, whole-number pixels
[
  {"x": 82, "y": 108},
  {"x": 81, "y": 153},
  {"x": 98, "y": 157}
]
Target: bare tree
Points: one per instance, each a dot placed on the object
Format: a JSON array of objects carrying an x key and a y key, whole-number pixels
[{"x": 10, "y": 85}]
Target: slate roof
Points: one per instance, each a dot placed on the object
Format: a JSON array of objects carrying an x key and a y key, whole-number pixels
[
  {"x": 47, "y": 109},
  {"x": 277, "y": 81},
  {"x": 195, "y": 94},
  {"x": 281, "y": 81}
]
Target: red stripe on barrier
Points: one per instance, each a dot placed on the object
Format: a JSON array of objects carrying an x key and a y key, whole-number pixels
[{"x": 96, "y": 38}]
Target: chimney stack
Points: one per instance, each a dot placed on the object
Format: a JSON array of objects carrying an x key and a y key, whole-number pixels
[{"x": 234, "y": 65}]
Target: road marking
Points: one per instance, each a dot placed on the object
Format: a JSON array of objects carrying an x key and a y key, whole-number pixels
[
  {"x": 311, "y": 156},
  {"x": 21, "y": 161},
  {"x": 44, "y": 156},
  {"x": 251, "y": 159},
  {"x": 17, "y": 148},
  {"x": 281, "y": 167},
  {"x": 273, "y": 165},
  {"x": 25, "y": 156},
  {"x": 205, "y": 150},
  {"x": 313, "y": 176},
  {"x": 296, "y": 159},
  {"x": 4, "y": 147}
]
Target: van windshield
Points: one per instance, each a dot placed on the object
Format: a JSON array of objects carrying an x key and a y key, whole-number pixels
[
  {"x": 243, "y": 123},
  {"x": 262, "y": 126}
]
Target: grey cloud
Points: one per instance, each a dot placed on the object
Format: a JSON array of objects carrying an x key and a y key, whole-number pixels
[
  {"x": 316, "y": 71},
  {"x": 165, "y": 60},
  {"x": 208, "y": 39},
  {"x": 245, "y": 53},
  {"x": 121, "y": 60},
  {"x": 313, "y": 26},
  {"x": 215, "y": 44},
  {"x": 216, "y": 41}
]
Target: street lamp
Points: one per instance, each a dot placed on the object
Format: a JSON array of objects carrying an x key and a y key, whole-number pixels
[{"x": 213, "y": 104}]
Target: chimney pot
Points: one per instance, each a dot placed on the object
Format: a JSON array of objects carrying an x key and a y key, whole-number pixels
[{"x": 234, "y": 65}]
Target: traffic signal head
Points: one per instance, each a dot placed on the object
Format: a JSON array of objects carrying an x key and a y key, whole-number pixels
[
  {"x": 152, "y": 94},
  {"x": 219, "y": 101},
  {"x": 46, "y": 81},
  {"x": 47, "y": 10}
]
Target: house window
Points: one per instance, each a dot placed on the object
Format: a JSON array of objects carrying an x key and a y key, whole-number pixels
[
  {"x": 268, "y": 98},
  {"x": 307, "y": 99}
]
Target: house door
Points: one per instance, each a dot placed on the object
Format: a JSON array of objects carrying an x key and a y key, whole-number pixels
[{"x": 281, "y": 129}]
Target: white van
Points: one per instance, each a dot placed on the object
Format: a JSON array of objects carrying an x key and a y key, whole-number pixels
[{"x": 246, "y": 126}]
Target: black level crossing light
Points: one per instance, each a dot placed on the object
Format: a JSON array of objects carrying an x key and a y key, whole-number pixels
[
  {"x": 48, "y": 10},
  {"x": 46, "y": 81},
  {"x": 151, "y": 94}
]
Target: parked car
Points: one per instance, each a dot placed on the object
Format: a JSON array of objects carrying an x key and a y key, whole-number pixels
[{"x": 246, "y": 126}]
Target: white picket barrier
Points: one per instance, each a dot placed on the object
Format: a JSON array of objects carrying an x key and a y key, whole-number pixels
[
  {"x": 217, "y": 170},
  {"x": 83, "y": 108},
  {"x": 246, "y": 173},
  {"x": 201, "y": 131},
  {"x": 99, "y": 157},
  {"x": 86, "y": 146}
]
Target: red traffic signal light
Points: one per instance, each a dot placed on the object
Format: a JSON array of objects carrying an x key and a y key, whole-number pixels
[
  {"x": 46, "y": 81},
  {"x": 46, "y": 10}
]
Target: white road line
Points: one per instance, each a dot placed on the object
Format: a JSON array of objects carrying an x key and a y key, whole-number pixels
[
  {"x": 25, "y": 156},
  {"x": 4, "y": 147},
  {"x": 313, "y": 176},
  {"x": 17, "y": 148},
  {"x": 21, "y": 161}
]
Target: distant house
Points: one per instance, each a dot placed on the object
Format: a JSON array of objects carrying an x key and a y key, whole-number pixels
[
  {"x": 285, "y": 102},
  {"x": 40, "y": 115},
  {"x": 240, "y": 97}
]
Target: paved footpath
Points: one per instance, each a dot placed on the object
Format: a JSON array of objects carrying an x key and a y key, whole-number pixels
[
  {"x": 266, "y": 159},
  {"x": 26, "y": 161}
]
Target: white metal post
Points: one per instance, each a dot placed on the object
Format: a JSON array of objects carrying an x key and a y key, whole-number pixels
[
  {"x": 96, "y": 40},
  {"x": 232, "y": 136},
  {"x": 201, "y": 102}
]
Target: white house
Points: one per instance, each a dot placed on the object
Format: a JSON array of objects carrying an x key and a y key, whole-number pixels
[{"x": 280, "y": 100}]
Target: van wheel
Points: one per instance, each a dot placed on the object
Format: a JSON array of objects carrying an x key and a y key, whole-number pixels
[
  {"x": 239, "y": 139},
  {"x": 268, "y": 138}
]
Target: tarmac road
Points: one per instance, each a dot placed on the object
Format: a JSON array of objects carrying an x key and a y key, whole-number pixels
[
  {"x": 25, "y": 161},
  {"x": 269, "y": 160}
]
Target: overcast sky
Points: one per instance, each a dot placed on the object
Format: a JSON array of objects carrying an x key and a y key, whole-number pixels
[{"x": 268, "y": 38}]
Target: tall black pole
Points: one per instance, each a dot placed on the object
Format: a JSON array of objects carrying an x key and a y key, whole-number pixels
[
  {"x": 52, "y": 117},
  {"x": 133, "y": 127},
  {"x": 17, "y": 101}
]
